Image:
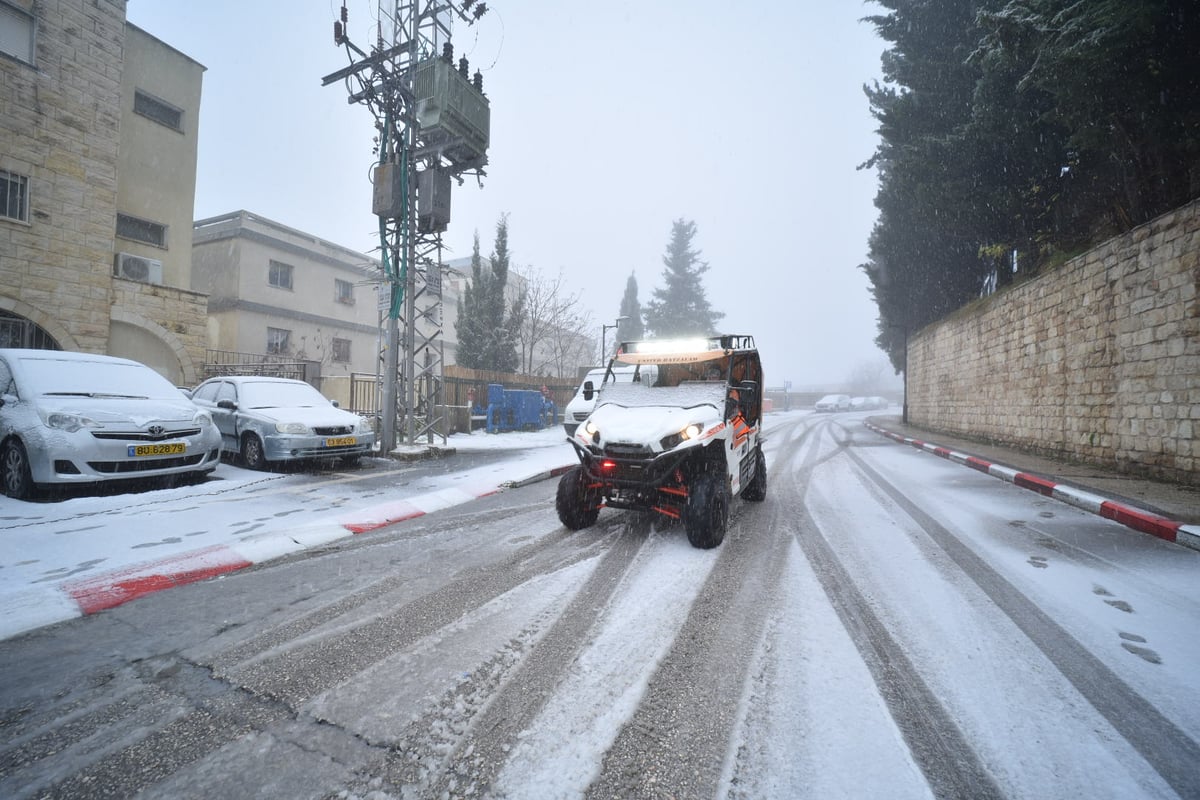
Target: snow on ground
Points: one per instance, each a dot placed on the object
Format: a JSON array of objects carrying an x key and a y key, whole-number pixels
[{"x": 60, "y": 558}]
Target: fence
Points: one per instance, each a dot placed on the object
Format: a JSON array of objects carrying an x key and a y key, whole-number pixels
[{"x": 228, "y": 362}]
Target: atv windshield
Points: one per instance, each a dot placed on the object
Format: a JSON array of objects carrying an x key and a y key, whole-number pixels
[{"x": 685, "y": 395}]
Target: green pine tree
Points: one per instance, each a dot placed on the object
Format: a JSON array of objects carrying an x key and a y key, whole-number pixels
[
  {"x": 679, "y": 307},
  {"x": 631, "y": 327}
]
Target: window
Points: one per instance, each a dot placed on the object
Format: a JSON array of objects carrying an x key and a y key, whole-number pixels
[
  {"x": 141, "y": 230},
  {"x": 343, "y": 291},
  {"x": 16, "y": 33},
  {"x": 279, "y": 341},
  {"x": 160, "y": 111},
  {"x": 341, "y": 351},
  {"x": 14, "y": 195},
  {"x": 280, "y": 275}
]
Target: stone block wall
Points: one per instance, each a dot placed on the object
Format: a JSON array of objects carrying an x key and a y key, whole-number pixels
[
  {"x": 1097, "y": 361},
  {"x": 60, "y": 126}
]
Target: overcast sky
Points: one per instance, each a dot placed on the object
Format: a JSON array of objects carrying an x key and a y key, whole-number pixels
[{"x": 609, "y": 121}]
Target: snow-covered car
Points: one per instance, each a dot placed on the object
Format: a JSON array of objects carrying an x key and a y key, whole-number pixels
[
  {"x": 833, "y": 402},
  {"x": 871, "y": 403},
  {"x": 264, "y": 420},
  {"x": 681, "y": 445},
  {"x": 581, "y": 405},
  {"x": 77, "y": 418}
]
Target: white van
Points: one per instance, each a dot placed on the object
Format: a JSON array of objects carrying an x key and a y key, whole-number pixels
[{"x": 579, "y": 408}]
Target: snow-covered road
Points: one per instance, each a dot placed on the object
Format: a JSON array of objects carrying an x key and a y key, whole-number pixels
[{"x": 886, "y": 623}]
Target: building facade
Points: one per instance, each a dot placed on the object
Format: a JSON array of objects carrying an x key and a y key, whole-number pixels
[
  {"x": 277, "y": 291},
  {"x": 95, "y": 235}
]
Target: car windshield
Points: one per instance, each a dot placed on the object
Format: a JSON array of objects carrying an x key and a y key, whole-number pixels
[
  {"x": 54, "y": 376},
  {"x": 276, "y": 394}
]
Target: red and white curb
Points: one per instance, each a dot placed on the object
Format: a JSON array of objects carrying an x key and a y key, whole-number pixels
[
  {"x": 1130, "y": 516},
  {"x": 38, "y": 606}
]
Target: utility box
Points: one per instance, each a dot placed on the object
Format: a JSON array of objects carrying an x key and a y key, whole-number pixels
[
  {"x": 388, "y": 199},
  {"x": 451, "y": 113},
  {"x": 433, "y": 200}
]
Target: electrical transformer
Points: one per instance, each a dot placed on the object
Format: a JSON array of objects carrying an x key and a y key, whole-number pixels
[{"x": 452, "y": 114}]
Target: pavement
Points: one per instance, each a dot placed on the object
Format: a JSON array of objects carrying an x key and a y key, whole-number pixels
[{"x": 1167, "y": 510}]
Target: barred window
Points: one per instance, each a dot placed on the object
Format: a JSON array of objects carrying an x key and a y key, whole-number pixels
[
  {"x": 160, "y": 111},
  {"x": 17, "y": 33},
  {"x": 14, "y": 196},
  {"x": 343, "y": 291},
  {"x": 280, "y": 274},
  {"x": 341, "y": 351},
  {"x": 279, "y": 341},
  {"x": 141, "y": 230}
]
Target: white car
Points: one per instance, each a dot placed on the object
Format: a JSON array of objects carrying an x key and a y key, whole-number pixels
[
  {"x": 833, "y": 402},
  {"x": 584, "y": 401},
  {"x": 265, "y": 420},
  {"x": 72, "y": 418}
]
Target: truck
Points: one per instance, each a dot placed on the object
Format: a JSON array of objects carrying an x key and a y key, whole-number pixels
[{"x": 680, "y": 445}]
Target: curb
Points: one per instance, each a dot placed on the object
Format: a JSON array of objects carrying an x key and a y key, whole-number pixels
[
  {"x": 42, "y": 606},
  {"x": 1130, "y": 516}
]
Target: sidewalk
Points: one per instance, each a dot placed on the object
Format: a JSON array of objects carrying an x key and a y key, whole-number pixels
[{"x": 1155, "y": 507}]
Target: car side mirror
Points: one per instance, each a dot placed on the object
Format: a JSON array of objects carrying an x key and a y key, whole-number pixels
[
  {"x": 228, "y": 405},
  {"x": 589, "y": 390}
]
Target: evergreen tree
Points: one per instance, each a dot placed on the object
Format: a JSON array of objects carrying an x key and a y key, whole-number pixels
[
  {"x": 488, "y": 329},
  {"x": 1021, "y": 132},
  {"x": 631, "y": 327},
  {"x": 503, "y": 322},
  {"x": 679, "y": 307},
  {"x": 469, "y": 326}
]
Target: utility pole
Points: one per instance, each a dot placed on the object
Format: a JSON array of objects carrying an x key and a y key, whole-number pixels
[{"x": 434, "y": 125}]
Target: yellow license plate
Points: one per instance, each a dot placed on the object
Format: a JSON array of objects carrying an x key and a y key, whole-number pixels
[
  {"x": 170, "y": 449},
  {"x": 340, "y": 441}
]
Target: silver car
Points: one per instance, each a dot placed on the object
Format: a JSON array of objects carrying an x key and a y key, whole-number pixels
[
  {"x": 263, "y": 420},
  {"x": 70, "y": 418}
]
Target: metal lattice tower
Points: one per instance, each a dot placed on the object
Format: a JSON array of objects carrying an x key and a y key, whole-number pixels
[{"x": 433, "y": 121}]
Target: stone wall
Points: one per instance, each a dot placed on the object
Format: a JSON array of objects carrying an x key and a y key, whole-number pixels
[
  {"x": 60, "y": 127},
  {"x": 1097, "y": 361}
]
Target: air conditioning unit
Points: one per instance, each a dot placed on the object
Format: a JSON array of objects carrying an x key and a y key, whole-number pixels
[{"x": 138, "y": 268}]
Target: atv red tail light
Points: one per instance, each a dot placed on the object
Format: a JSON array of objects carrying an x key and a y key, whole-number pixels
[{"x": 608, "y": 465}]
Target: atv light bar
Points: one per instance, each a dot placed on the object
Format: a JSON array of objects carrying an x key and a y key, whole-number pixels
[{"x": 671, "y": 346}]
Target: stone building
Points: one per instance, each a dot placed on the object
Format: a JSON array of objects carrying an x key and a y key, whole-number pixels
[
  {"x": 99, "y": 125},
  {"x": 281, "y": 292}
]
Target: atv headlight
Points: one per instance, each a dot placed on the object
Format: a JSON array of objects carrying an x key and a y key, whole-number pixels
[{"x": 690, "y": 432}]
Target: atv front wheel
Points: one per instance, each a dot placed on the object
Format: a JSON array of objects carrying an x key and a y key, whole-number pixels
[
  {"x": 577, "y": 507},
  {"x": 707, "y": 511}
]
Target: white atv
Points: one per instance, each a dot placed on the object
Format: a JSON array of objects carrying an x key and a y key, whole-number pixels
[{"x": 680, "y": 444}]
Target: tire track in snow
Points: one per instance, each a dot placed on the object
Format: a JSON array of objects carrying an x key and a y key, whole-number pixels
[
  {"x": 310, "y": 668},
  {"x": 1172, "y": 753},
  {"x": 463, "y": 739},
  {"x": 939, "y": 748},
  {"x": 677, "y": 741}
]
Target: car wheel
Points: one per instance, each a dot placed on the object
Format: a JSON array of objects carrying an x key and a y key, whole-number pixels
[
  {"x": 756, "y": 490},
  {"x": 707, "y": 512},
  {"x": 253, "y": 455},
  {"x": 14, "y": 469},
  {"x": 577, "y": 507}
]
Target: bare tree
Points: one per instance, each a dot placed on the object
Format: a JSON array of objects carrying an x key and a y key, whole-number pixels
[{"x": 553, "y": 338}]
